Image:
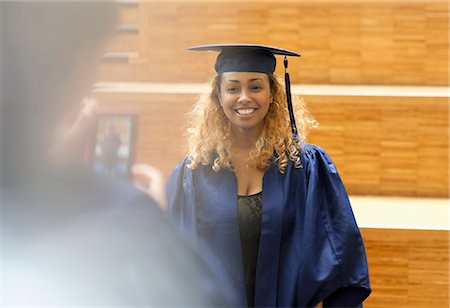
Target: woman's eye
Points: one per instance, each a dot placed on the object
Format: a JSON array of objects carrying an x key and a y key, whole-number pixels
[
  {"x": 232, "y": 90},
  {"x": 255, "y": 88}
]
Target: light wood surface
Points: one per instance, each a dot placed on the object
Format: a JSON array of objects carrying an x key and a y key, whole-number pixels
[
  {"x": 341, "y": 42},
  {"x": 390, "y": 212},
  {"x": 297, "y": 89},
  {"x": 386, "y": 145},
  {"x": 408, "y": 268}
]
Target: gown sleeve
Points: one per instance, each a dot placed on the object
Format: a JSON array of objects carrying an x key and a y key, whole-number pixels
[
  {"x": 327, "y": 192},
  {"x": 181, "y": 203}
]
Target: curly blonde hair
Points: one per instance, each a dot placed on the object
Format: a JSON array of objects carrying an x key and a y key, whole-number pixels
[{"x": 210, "y": 140}]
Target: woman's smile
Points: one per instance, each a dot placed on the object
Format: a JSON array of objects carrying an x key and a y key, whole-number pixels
[{"x": 246, "y": 111}]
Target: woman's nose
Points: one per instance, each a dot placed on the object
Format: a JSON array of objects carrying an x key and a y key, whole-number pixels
[{"x": 244, "y": 97}]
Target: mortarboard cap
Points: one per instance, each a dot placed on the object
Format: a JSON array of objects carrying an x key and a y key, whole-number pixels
[
  {"x": 253, "y": 58},
  {"x": 245, "y": 57}
]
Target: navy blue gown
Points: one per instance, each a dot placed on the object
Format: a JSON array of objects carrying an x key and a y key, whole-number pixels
[{"x": 310, "y": 248}]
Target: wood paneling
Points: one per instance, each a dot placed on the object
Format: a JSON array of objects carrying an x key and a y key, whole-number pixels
[
  {"x": 342, "y": 42},
  {"x": 381, "y": 145},
  {"x": 385, "y": 145},
  {"x": 408, "y": 268},
  {"x": 126, "y": 39},
  {"x": 128, "y": 13}
]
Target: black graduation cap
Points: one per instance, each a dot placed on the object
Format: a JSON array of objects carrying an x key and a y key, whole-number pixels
[{"x": 253, "y": 58}]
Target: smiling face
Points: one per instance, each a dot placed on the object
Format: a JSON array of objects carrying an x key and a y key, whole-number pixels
[{"x": 245, "y": 98}]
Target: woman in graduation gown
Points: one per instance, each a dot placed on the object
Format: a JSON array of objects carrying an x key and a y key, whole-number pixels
[{"x": 270, "y": 206}]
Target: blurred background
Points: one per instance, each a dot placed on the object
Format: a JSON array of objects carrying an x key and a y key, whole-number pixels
[{"x": 374, "y": 73}]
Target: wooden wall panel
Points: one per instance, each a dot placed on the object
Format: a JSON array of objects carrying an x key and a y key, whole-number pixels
[
  {"x": 128, "y": 13},
  {"x": 123, "y": 46},
  {"x": 385, "y": 145},
  {"x": 365, "y": 42},
  {"x": 408, "y": 268},
  {"x": 124, "y": 41},
  {"x": 381, "y": 145}
]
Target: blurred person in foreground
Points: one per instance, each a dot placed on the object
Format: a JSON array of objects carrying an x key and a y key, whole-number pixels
[{"x": 68, "y": 237}]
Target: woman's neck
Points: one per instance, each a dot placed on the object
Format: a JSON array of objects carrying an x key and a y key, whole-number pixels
[{"x": 245, "y": 139}]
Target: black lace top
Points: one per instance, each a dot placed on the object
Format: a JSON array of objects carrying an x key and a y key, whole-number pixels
[{"x": 250, "y": 220}]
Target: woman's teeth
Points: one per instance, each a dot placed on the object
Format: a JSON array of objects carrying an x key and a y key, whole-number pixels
[{"x": 245, "y": 111}]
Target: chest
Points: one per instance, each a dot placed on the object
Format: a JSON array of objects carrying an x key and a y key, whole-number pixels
[
  {"x": 216, "y": 195},
  {"x": 249, "y": 179}
]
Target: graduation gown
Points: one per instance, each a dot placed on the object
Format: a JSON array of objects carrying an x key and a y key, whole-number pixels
[{"x": 310, "y": 248}]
